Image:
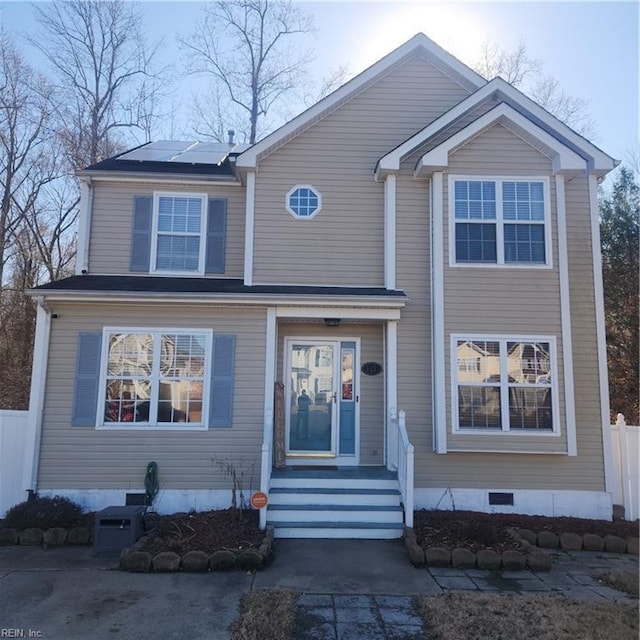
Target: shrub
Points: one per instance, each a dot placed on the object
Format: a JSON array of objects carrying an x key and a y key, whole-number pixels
[{"x": 44, "y": 513}]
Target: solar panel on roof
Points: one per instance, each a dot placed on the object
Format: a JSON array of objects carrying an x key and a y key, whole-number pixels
[{"x": 188, "y": 152}]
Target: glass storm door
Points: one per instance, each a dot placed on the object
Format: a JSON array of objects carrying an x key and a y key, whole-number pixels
[{"x": 312, "y": 411}]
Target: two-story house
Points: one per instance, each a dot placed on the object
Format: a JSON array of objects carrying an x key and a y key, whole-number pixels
[{"x": 392, "y": 301}]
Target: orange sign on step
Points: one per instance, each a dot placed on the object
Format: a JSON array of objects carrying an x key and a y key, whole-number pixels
[{"x": 259, "y": 500}]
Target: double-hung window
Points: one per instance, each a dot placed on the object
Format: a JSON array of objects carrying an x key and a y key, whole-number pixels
[
  {"x": 503, "y": 221},
  {"x": 155, "y": 378},
  {"x": 179, "y": 225},
  {"x": 512, "y": 388}
]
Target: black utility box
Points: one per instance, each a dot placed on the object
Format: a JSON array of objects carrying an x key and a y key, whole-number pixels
[{"x": 117, "y": 528}]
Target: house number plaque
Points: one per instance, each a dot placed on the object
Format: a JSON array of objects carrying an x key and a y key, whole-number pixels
[{"x": 371, "y": 368}]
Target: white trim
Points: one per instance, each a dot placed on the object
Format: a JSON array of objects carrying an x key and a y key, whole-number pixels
[
  {"x": 249, "y": 158},
  {"x": 607, "y": 453},
  {"x": 167, "y": 501},
  {"x": 597, "y": 160},
  {"x": 500, "y": 223},
  {"x": 437, "y": 314},
  {"x": 338, "y": 312},
  {"x": 155, "y": 178},
  {"x": 295, "y": 215},
  {"x": 543, "y": 502},
  {"x": 347, "y": 304},
  {"x": 249, "y": 232},
  {"x": 84, "y": 226},
  {"x": 391, "y": 379},
  {"x": 204, "y": 199},
  {"x": 565, "y": 313},
  {"x": 564, "y": 159},
  {"x": 504, "y": 431},
  {"x": 271, "y": 335},
  {"x": 390, "y": 231},
  {"x": 152, "y": 425},
  {"x": 37, "y": 396}
]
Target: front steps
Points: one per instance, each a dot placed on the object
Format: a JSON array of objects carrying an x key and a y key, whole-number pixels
[{"x": 338, "y": 502}]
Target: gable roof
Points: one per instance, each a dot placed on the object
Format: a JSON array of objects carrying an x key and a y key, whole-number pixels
[
  {"x": 564, "y": 159},
  {"x": 419, "y": 44},
  {"x": 540, "y": 121}
]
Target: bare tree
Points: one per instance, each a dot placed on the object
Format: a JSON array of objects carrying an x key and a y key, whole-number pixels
[
  {"x": 104, "y": 70},
  {"x": 25, "y": 109},
  {"x": 519, "y": 69},
  {"x": 246, "y": 46}
]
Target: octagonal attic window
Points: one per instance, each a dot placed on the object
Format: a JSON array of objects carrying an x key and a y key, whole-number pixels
[{"x": 303, "y": 201}]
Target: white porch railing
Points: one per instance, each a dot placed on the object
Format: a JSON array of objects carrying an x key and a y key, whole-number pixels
[
  {"x": 626, "y": 458},
  {"x": 266, "y": 464},
  {"x": 400, "y": 458}
]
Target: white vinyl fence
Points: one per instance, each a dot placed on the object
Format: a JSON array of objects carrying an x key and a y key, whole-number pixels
[
  {"x": 15, "y": 438},
  {"x": 626, "y": 453}
]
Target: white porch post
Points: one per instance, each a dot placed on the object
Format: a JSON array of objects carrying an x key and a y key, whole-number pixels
[
  {"x": 392, "y": 394},
  {"x": 390, "y": 231},
  {"x": 269, "y": 383}
]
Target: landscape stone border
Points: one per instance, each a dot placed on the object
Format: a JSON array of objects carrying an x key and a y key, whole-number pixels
[
  {"x": 532, "y": 555},
  {"x": 461, "y": 558},
  {"x": 573, "y": 542},
  {"x": 136, "y": 560},
  {"x": 54, "y": 537}
]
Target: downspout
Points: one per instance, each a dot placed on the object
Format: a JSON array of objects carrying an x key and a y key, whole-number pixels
[
  {"x": 84, "y": 226},
  {"x": 37, "y": 393}
]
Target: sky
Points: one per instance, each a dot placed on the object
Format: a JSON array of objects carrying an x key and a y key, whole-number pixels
[{"x": 590, "y": 47}]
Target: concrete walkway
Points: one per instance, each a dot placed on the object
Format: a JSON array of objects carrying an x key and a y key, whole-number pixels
[{"x": 351, "y": 590}]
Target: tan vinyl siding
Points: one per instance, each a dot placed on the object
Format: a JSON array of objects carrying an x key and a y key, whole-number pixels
[
  {"x": 110, "y": 243},
  {"x": 86, "y": 458},
  {"x": 583, "y": 326},
  {"x": 503, "y": 300},
  {"x": 344, "y": 243},
  {"x": 491, "y": 301},
  {"x": 371, "y": 390},
  {"x": 413, "y": 248}
]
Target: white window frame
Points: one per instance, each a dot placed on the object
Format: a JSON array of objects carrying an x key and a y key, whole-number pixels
[
  {"x": 101, "y": 424},
  {"x": 154, "y": 232},
  {"x": 303, "y": 186},
  {"x": 504, "y": 385},
  {"x": 500, "y": 222}
]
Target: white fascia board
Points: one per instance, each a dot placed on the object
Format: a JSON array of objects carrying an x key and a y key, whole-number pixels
[
  {"x": 249, "y": 158},
  {"x": 565, "y": 160},
  {"x": 155, "y": 178},
  {"x": 247, "y": 300},
  {"x": 599, "y": 161},
  {"x": 344, "y": 313}
]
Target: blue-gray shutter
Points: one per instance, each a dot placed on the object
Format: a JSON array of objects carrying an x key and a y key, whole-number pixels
[
  {"x": 222, "y": 367},
  {"x": 141, "y": 233},
  {"x": 216, "y": 232},
  {"x": 85, "y": 398}
]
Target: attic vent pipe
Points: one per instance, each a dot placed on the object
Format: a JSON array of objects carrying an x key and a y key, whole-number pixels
[{"x": 231, "y": 133}]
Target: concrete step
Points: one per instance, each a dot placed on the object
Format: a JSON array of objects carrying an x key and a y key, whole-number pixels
[
  {"x": 333, "y": 496},
  {"x": 311, "y": 482},
  {"x": 358, "y": 530},
  {"x": 335, "y": 513}
]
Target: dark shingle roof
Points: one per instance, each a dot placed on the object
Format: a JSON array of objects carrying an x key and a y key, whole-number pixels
[{"x": 204, "y": 286}]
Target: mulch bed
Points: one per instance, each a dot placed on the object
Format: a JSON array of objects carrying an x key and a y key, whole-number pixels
[
  {"x": 476, "y": 531},
  {"x": 207, "y": 531}
]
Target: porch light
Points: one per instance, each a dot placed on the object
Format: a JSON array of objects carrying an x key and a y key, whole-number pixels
[{"x": 332, "y": 322}]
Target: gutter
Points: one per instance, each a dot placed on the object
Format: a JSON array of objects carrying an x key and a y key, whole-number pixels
[{"x": 37, "y": 394}]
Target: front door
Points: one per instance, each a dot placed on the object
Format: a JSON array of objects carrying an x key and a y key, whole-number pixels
[{"x": 321, "y": 400}]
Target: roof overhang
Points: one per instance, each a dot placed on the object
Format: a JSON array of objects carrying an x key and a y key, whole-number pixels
[
  {"x": 182, "y": 178},
  {"x": 248, "y": 160},
  {"x": 597, "y": 161},
  {"x": 564, "y": 160}
]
